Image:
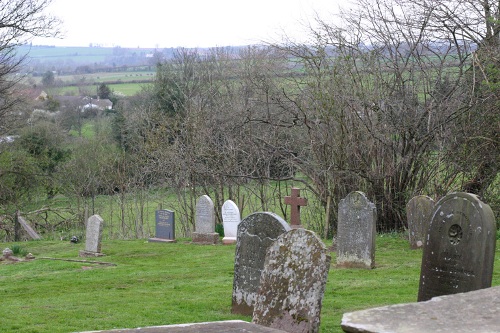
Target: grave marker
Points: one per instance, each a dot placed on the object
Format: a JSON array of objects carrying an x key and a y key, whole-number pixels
[
  {"x": 230, "y": 220},
  {"x": 165, "y": 226},
  {"x": 256, "y": 233},
  {"x": 205, "y": 222},
  {"x": 459, "y": 249},
  {"x": 295, "y": 202},
  {"x": 356, "y": 232},
  {"x": 292, "y": 283},
  {"x": 419, "y": 213},
  {"x": 93, "y": 237}
]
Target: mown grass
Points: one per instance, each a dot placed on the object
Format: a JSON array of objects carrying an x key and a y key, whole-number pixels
[{"x": 159, "y": 284}]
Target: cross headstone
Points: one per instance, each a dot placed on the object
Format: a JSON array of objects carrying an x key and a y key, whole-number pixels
[
  {"x": 418, "y": 213},
  {"x": 292, "y": 283},
  {"x": 295, "y": 202},
  {"x": 459, "y": 249},
  {"x": 165, "y": 226},
  {"x": 356, "y": 232},
  {"x": 256, "y": 233},
  {"x": 230, "y": 220},
  {"x": 93, "y": 237},
  {"x": 205, "y": 222}
]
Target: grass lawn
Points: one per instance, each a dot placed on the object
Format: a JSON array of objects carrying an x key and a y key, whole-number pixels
[{"x": 160, "y": 284}]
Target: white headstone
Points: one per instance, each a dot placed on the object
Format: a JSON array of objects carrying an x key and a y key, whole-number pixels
[
  {"x": 230, "y": 220},
  {"x": 94, "y": 234}
]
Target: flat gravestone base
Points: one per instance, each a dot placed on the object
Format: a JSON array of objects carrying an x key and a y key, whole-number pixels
[
  {"x": 229, "y": 240},
  {"x": 471, "y": 312},
  {"x": 202, "y": 238},
  {"x": 87, "y": 254},
  {"x": 230, "y": 326},
  {"x": 161, "y": 240}
]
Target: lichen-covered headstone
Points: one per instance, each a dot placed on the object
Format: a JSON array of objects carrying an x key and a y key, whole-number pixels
[
  {"x": 459, "y": 249},
  {"x": 256, "y": 233},
  {"x": 292, "y": 283},
  {"x": 230, "y": 220},
  {"x": 93, "y": 237},
  {"x": 356, "y": 232},
  {"x": 418, "y": 214},
  {"x": 205, "y": 222}
]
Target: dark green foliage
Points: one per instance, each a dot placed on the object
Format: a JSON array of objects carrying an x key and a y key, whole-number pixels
[
  {"x": 48, "y": 79},
  {"x": 103, "y": 91}
]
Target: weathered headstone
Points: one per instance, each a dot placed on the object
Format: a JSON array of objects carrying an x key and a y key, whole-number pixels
[
  {"x": 205, "y": 222},
  {"x": 32, "y": 233},
  {"x": 459, "y": 249},
  {"x": 356, "y": 232},
  {"x": 165, "y": 226},
  {"x": 230, "y": 220},
  {"x": 93, "y": 237},
  {"x": 256, "y": 233},
  {"x": 292, "y": 283},
  {"x": 419, "y": 213},
  {"x": 295, "y": 202}
]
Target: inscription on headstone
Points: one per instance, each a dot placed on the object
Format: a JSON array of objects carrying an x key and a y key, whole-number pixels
[
  {"x": 459, "y": 249},
  {"x": 165, "y": 226},
  {"x": 292, "y": 283},
  {"x": 356, "y": 232},
  {"x": 256, "y": 233},
  {"x": 230, "y": 220},
  {"x": 419, "y": 213},
  {"x": 93, "y": 237},
  {"x": 205, "y": 222}
]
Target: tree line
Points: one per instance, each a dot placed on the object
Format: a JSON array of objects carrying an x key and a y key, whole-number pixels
[{"x": 395, "y": 99}]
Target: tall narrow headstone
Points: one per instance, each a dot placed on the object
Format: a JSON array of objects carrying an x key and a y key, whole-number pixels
[
  {"x": 230, "y": 220},
  {"x": 292, "y": 284},
  {"x": 93, "y": 237},
  {"x": 205, "y": 222},
  {"x": 418, "y": 214},
  {"x": 256, "y": 233},
  {"x": 356, "y": 232},
  {"x": 459, "y": 249},
  {"x": 165, "y": 226}
]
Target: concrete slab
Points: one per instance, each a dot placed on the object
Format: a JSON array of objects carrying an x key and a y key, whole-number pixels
[
  {"x": 471, "y": 312},
  {"x": 230, "y": 326}
]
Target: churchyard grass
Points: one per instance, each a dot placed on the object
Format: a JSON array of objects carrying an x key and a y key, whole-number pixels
[{"x": 159, "y": 284}]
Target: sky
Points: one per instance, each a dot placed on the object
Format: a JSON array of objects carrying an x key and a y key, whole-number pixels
[{"x": 183, "y": 23}]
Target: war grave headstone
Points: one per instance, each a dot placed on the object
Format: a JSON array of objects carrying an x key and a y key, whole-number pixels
[
  {"x": 459, "y": 248},
  {"x": 256, "y": 233},
  {"x": 418, "y": 214},
  {"x": 165, "y": 226},
  {"x": 292, "y": 283},
  {"x": 230, "y": 221},
  {"x": 295, "y": 202},
  {"x": 205, "y": 222},
  {"x": 356, "y": 232},
  {"x": 93, "y": 237}
]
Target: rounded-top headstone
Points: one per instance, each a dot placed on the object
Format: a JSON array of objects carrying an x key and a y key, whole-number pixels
[
  {"x": 230, "y": 220},
  {"x": 418, "y": 213},
  {"x": 459, "y": 248},
  {"x": 256, "y": 233},
  {"x": 205, "y": 215}
]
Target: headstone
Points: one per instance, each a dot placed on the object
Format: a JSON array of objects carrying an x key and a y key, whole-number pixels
[
  {"x": 32, "y": 233},
  {"x": 459, "y": 249},
  {"x": 205, "y": 222},
  {"x": 419, "y": 213},
  {"x": 256, "y": 233},
  {"x": 356, "y": 232},
  {"x": 230, "y": 220},
  {"x": 165, "y": 226},
  {"x": 93, "y": 237},
  {"x": 295, "y": 202},
  {"x": 292, "y": 283}
]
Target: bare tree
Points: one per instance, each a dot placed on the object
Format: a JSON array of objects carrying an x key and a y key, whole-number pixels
[{"x": 20, "y": 20}]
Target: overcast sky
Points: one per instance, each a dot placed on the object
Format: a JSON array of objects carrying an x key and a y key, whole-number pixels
[{"x": 187, "y": 23}]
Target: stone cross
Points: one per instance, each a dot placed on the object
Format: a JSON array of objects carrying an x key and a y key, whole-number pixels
[{"x": 295, "y": 201}]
